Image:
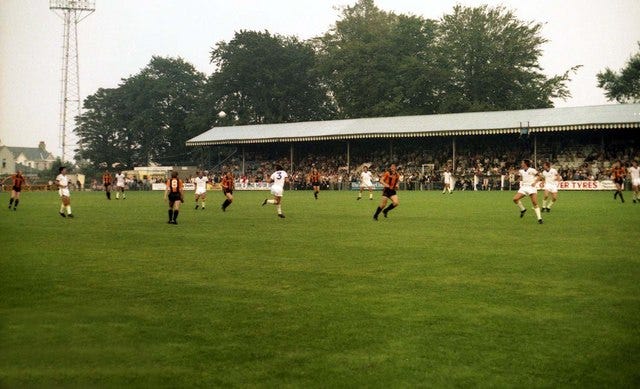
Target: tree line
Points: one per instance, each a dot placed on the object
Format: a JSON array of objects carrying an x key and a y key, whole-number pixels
[{"x": 371, "y": 63}]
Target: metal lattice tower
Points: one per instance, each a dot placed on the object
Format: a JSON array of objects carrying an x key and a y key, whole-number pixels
[{"x": 71, "y": 12}]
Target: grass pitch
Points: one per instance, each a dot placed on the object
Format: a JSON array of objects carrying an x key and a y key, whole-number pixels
[{"x": 449, "y": 291}]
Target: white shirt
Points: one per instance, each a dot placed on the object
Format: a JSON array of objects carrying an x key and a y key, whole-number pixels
[
  {"x": 365, "y": 178},
  {"x": 550, "y": 177},
  {"x": 62, "y": 180},
  {"x": 635, "y": 173},
  {"x": 447, "y": 177},
  {"x": 201, "y": 182},
  {"x": 279, "y": 177},
  {"x": 528, "y": 176},
  {"x": 120, "y": 179}
]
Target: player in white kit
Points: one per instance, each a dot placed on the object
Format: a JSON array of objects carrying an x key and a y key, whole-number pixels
[
  {"x": 365, "y": 183},
  {"x": 277, "y": 180},
  {"x": 551, "y": 180},
  {"x": 201, "y": 189},
  {"x": 529, "y": 177},
  {"x": 634, "y": 173},
  {"x": 448, "y": 181},
  {"x": 63, "y": 190},
  {"x": 120, "y": 185}
]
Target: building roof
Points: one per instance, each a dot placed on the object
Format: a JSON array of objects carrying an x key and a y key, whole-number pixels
[
  {"x": 610, "y": 116},
  {"x": 31, "y": 153}
]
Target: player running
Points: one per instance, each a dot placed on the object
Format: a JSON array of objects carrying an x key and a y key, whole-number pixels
[
  {"x": 365, "y": 183},
  {"x": 63, "y": 190},
  {"x": 16, "y": 187},
  {"x": 120, "y": 185},
  {"x": 551, "y": 179},
  {"x": 174, "y": 192},
  {"x": 228, "y": 184},
  {"x": 314, "y": 179},
  {"x": 277, "y": 180},
  {"x": 529, "y": 177},
  {"x": 107, "y": 180},
  {"x": 390, "y": 182},
  {"x": 201, "y": 189},
  {"x": 618, "y": 173}
]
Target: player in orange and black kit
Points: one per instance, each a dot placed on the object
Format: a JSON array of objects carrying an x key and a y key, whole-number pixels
[
  {"x": 390, "y": 182},
  {"x": 16, "y": 188},
  {"x": 175, "y": 194},
  {"x": 106, "y": 181},
  {"x": 228, "y": 184},
  {"x": 618, "y": 173},
  {"x": 314, "y": 178}
]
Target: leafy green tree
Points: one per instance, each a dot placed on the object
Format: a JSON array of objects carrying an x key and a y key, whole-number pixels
[
  {"x": 623, "y": 87},
  {"x": 145, "y": 119},
  {"x": 264, "y": 78},
  {"x": 378, "y": 63},
  {"x": 491, "y": 62}
]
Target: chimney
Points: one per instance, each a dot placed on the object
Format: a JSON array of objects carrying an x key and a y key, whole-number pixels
[{"x": 42, "y": 146}]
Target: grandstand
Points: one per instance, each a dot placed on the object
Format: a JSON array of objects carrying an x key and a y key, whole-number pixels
[{"x": 580, "y": 141}]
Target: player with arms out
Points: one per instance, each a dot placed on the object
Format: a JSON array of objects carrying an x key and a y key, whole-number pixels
[
  {"x": 120, "y": 185},
  {"x": 228, "y": 184},
  {"x": 16, "y": 187},
  {"x": 551, "y": 180},
  {"x": 277, "y": 180},
  {"x": 634, "y": 174},
  {"x": 314, "y": 179},
  {"x": 366, "y": 182},
  {"x": 201, "y": 189},
  {"x": 63, "y": 190},
  {"x": 174, "y": 192},
  {"x": 389, "y": 181},
  {"x": 618, "y": 173},
  {"x": 106, "y": 182},
  {"x": 529, "y": 177}
]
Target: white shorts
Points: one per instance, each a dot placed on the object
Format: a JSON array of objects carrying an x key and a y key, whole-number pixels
[
  {"x": 200, "y": 191},
  {"x": 527, "y": 190},
  {"x": 64, "y": 192},
  {"x": 276, "y": 190},
  {"x": 120, "y": 186},
  {"x": 447, "y": 181},
  {"x": 367, "y": 185},
  {"x": 551, "y": 188},
  {"x": 635, "y": 182}
]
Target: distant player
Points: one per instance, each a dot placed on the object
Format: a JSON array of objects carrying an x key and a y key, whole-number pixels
[
  {"x": 551, "y": 179},
  {"x": 618, "y": 173},
  {"x": 448, "y": 181},
  {"x": 389, "y": 181},
  {"x": 16, "y": 187},
  {"x": 107, "y": 180},
  {"x": 201, "y": 189},
  {"x": 314, "y": 178},
  {"x": 634, "y": 174},
  {"x": 174, "y": 192},
  {"x": 120, "y": 185},
  {"x": 63, "y": 190},
  {"x": 277, "y": 180},
  {"x": 529, "y": 177},
  {"x": 366, "y": 183},
  {"x": 228, "y": 184}
]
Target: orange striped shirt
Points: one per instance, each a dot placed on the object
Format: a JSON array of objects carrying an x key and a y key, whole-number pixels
[
  {"x": 106, "y": 178},
  {"x": 391, "y": 179},
  {"x": 619, "y": 172},
  {"x": 227, "y": 183},
  {"x": 175, "y": 185},
  {"x": 18, "y": 180},
  {"x": 315, "y": 177}
]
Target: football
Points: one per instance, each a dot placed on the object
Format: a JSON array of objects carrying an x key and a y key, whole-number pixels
[{"x": 222, "y": 114}]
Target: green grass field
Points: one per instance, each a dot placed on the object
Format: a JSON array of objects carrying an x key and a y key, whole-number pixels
[{"x": 449, "y": 291}]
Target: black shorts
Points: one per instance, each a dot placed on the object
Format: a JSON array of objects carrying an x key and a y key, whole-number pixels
[
  {"x": 17, "y": 189},
  {"x": 618, "y": 181},
  {"x": 315, "y": 183},
  {"x": 387, "y": 192},
  {"x": 227, "y": 191},
  {"x": 106, "y": 186},
  {"x": 173, "y": 197}
]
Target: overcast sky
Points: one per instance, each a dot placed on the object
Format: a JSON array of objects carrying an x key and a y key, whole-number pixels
[{"x": 120, "y": 37}]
